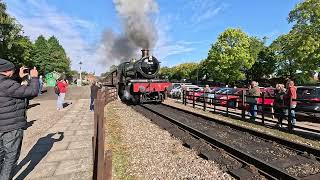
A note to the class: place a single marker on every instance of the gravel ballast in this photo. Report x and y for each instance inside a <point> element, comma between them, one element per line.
<point>153,153</point>
<point>313,142</point>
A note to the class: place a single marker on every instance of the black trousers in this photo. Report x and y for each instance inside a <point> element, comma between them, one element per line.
<point>92,104</point>
<point>10,147</point>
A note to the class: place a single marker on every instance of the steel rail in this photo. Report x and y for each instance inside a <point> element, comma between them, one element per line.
<point>290,144</point>
<point>266,168</point>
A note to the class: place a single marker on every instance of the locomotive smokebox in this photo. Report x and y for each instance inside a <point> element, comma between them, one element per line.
<point>145,53</point>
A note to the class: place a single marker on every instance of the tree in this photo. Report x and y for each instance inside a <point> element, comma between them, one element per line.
<point>113,67</point>
<point>230,56</point>
<point>41,57</point>
<point>58,57</point>
<point>187,71</point>
<point>299,50</point>
<point>165,72</point>
<point>46,55</point>
<point>50,56</point>
<point>265,61</point>
<point>14,46</point>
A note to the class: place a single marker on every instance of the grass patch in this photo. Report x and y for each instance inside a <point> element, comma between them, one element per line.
<point>313,142</point>
<point>120,157</point>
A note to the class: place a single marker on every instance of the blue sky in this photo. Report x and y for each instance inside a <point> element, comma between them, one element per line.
<point>186,28</point>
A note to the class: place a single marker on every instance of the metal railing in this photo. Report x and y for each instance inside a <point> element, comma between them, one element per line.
<point>102,159</point>
<point>238,105</point>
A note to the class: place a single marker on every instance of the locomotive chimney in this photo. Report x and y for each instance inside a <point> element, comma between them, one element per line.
<point>145,52</point>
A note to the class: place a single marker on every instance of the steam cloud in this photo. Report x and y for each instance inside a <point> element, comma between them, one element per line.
<point>139,31</point>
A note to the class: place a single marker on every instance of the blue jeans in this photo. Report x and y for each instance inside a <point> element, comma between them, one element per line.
<point>92,104</point>
<point>292,118</point>
<point>60,100</point>
<point>253,110</point>
<point>10,146</point>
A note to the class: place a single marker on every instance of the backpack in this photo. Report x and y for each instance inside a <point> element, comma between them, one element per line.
<point>56,90</point>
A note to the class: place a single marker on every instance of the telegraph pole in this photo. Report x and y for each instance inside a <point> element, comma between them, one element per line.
<point>80,74</point>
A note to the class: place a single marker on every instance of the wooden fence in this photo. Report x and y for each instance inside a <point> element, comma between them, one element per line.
<point>102,159</point>
<point>240,107</point>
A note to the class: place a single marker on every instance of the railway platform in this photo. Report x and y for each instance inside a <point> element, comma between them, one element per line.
<point>57,144</point>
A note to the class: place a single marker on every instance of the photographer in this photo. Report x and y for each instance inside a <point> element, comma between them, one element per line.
<point>13,114</point>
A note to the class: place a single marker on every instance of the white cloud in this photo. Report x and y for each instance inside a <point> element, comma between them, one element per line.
<point>202,10</point>
<point>39,17</point>
<point>166,46</point>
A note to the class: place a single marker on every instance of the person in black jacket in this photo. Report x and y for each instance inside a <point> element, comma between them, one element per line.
<point>13,114</point>
<point>93,94</point>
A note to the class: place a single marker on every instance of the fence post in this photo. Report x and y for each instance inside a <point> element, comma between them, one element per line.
<point>214,101</point>
<point>227,103</point>
<point>102,165</point>
<point>182,96</point>
<point>193,103</point>
<point>243,112</point>
<point>108,165</point>
<point>204,101</point>
<point>263,108</point>
<point>289,114</point>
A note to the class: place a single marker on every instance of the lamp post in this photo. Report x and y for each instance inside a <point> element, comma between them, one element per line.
<point>80,74</point>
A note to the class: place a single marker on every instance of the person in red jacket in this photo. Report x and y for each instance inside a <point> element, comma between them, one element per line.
<point>291,96</point>
<point>62,85</point>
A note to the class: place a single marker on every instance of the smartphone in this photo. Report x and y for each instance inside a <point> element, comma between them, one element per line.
<point>26,71</point>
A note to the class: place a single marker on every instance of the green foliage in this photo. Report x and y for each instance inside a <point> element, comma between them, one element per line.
<point>58,57</point>
<point>165,72</point>
<point>41,57</point>
<point>230,56</point>
<point>13,45</point>
<point>187,71</point>
<point>265,60</point>
<point>113,67</point>
<point>299,50</point>
<point>46,55</point>
<point>181,71</point>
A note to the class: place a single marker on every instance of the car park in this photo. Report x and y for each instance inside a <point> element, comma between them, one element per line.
<point>229,97</point>
<point>213,92</point>
<point>308,105</point>
<point>269,93</point>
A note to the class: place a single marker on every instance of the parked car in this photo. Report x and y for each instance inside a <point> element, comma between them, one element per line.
<point>268,102</point>
<point>177,92</point>
<point>229,97</point>
<point>305,108</point>
<point>197,93</point>
<point>210,95</point>
<point>173,93</point>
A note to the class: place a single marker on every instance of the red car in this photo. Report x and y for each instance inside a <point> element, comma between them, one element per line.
<point>197,94</point>
<point>269,92</point>
<point>230,97</point>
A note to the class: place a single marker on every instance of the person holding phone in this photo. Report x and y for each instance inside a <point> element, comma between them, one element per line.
<point>13,114</point>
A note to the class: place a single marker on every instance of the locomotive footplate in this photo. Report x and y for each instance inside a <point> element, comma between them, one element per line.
<point>148,81</point>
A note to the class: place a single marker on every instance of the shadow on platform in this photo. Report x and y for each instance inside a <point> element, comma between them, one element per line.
<point>33,105</point>
<point>36,154</point>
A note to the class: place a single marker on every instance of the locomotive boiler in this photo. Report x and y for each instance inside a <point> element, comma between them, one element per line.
<point>137,80</point>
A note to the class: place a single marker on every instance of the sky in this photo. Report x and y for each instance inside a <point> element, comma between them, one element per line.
<point>186,28</point>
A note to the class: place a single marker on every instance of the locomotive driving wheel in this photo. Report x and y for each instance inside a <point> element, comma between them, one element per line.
<point>136,99</point>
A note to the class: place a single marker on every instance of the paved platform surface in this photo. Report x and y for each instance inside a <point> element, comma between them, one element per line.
<point>62,148</point>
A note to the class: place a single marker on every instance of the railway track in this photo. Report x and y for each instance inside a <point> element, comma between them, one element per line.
<point>245,153</point>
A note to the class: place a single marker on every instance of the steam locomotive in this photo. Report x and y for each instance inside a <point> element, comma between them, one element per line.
<point>137,81</point>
